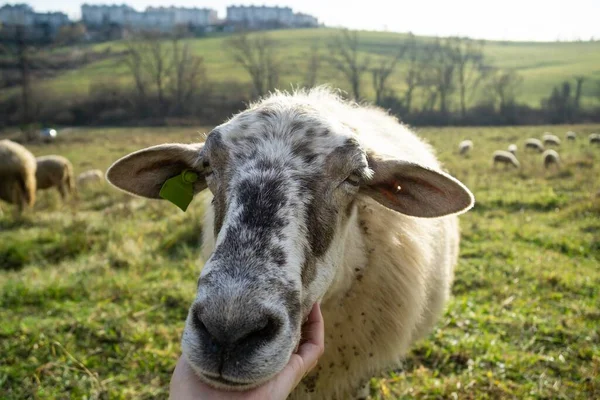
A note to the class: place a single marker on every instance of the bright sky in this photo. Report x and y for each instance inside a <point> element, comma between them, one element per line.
<point>540,20</point>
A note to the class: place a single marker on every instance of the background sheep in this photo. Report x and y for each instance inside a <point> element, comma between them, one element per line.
<point>534,144</point>
<point>93,176</point>
<point>551,157</point>
<point>55,171</point>
<point>549,139</point>
<point>17,174</point>
<point>382,276</point>
<point>506,158</point>
<point>512,148</point>
<point>595,138</point>
<point>571,135</point>
<point>465,146</point>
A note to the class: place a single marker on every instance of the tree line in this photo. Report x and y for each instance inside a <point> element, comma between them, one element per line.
<point>438,81</point>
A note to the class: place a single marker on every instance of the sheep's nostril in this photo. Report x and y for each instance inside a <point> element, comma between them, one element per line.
<point>202,331</point>
<point>262,332</point>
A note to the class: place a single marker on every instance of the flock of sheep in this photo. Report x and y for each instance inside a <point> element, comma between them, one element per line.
<point>550,157</point>
<point>22,175</point>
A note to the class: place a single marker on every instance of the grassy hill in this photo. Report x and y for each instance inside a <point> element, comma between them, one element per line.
<point>542,65</point>
<point>93,295</point>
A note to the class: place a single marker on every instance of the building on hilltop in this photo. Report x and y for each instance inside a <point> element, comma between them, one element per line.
<point>153,18</point>
<point>262,17</point>
<point>36,25</point>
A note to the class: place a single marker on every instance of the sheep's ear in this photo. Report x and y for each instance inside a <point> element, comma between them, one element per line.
<point>144,172</point>
<point>414,190</point>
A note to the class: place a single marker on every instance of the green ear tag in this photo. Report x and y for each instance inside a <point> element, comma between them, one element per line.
<point>179,189</point>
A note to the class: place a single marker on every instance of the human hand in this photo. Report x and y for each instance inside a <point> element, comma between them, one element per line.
<point>185,385</point>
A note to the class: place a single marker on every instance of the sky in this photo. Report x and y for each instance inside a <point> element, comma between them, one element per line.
<point>521,20</point>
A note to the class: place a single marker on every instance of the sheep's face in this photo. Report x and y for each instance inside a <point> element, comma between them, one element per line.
<point>283,184</point>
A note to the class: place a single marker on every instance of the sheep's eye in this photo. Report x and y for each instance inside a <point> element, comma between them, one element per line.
<point>207,169</point>
<point>353,179</point>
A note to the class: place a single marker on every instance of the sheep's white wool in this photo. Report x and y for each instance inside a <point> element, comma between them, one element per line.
<point>55,171</point>
<point>465,146</point>
<point>17,174</point>
<point>311,199</point>
<point>550,157</point>
<point>394,272</point>
<point>506,158</point>
<point>89,177</point>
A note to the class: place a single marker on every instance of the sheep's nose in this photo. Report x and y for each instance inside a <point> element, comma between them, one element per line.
<point>241,330</point>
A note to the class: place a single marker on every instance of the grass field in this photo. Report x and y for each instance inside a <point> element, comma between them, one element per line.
<point>93,295</point>
<point>542,65</point>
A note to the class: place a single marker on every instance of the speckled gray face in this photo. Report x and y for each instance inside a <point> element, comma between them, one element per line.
<point>279,192</point>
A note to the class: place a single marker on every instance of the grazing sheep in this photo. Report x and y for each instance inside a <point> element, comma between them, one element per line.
<point>312,199</point>
<point>55,171</point>
<point>464,147</point>
<point>551,157</point>
<point>549,139</point>
<point>534,144</point>
<point>595,138</point>
<point>93,176</point>
<point>506,158</point>
<point>17,175</point>
<point>571,135</point>
<point>512,148</point>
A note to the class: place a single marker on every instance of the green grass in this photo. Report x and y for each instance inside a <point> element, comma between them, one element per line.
<point>542,65</point>
<point>94,294</point>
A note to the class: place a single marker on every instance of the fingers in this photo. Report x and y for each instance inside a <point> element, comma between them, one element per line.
<point>307,356</point>
<point>313,333</point>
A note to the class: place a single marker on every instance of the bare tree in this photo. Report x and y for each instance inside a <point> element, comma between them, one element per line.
<point>23,62</point>
<point>312,69</point>
<point>382,72</point>
<point>150,60</point>
<point>344,56</point>
<point>257,55</point>
<point>157,64</point>
<point>578,90</point>
<point>413,70</point>
<point>437,75</point>
<point>134,61</point>
<point>188,72</point>
<point>504,87</point>
<point>469,60</point>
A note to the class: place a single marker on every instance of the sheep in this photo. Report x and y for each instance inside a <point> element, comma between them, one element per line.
<point>506,158</point>
<point>534,144</point>
<point>512,148</point>
<point>17,175</point>
<point>55,171</point>
<point>90,177</point>
<point>594,138</point>
<point>311,199</point>
<point>571,136</point>
<point>551,157</point>
<point>465,146</point>
<point>550,139</point>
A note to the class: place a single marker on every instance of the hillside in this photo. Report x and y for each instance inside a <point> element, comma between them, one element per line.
<point>542,65</point>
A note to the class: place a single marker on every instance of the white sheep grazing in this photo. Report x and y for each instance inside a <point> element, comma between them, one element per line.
<point>550,139</point>
<point>595,138</point>
<point>93,176</point>
<point>551,157</point>
<point>312,199</point>
<point>17,175</point>
<point>55,171</point>
<point>512,148</point>
<point>465,146</point>
<point>571,135</point>
<point>534,144</point>
<point>506,158</point>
